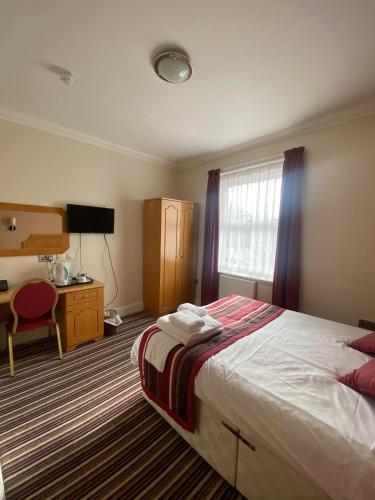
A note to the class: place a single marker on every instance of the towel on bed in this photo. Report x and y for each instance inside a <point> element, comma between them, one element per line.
<point>173,389</point>
<point>187,320</point>
<point>199,311</point>
<point>211,327</point>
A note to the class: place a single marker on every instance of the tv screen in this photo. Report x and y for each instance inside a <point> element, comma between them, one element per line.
<point>84,219</point>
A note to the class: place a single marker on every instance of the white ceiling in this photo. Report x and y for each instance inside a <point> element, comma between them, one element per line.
<point>259,66</point>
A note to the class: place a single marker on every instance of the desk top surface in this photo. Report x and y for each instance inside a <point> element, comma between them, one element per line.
<point>6,296</point>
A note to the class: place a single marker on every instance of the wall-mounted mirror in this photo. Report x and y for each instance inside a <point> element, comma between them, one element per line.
<point>32,230</point>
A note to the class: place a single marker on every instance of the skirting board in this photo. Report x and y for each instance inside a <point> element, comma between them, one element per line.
<point>130,308</point>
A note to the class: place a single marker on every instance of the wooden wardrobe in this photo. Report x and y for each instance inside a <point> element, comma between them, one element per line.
<point>169,254</point>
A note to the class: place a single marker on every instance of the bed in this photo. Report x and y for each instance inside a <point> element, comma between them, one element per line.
<point>272,418</point>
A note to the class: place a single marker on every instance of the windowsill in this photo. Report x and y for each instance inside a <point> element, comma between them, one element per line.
<point>248,278</point>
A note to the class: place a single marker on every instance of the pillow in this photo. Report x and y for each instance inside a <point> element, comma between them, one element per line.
<point>365,344</point>
<point>362,379</point>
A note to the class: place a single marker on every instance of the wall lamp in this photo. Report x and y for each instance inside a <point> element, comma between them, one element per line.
<point>13,224</point>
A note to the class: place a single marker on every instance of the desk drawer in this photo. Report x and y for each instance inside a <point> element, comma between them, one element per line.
<point>84,296</point>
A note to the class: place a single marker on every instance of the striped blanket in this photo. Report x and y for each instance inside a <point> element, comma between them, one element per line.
<point>173,390</point>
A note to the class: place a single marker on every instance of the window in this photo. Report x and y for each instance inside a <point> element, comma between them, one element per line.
<point>249,215</point>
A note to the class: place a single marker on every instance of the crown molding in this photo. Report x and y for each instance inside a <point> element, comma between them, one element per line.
<point>328,120</point>
<point>54,128</point>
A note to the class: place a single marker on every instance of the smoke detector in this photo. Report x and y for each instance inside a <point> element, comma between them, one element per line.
<point>67,77</point>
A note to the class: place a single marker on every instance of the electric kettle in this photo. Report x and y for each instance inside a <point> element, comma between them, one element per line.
<point>60,272</point>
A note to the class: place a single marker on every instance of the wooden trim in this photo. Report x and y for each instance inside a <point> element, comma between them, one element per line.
<point>81,287</point>
<point>5,297</point>
<point>43,241</point>
<point>40,250</point>
<point>20,207</point>
<point>161,198</point>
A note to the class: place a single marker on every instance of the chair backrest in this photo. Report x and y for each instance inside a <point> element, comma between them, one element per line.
<point>34,299</point>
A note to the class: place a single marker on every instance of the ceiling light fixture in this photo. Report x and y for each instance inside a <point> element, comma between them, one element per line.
<point>173,67</point>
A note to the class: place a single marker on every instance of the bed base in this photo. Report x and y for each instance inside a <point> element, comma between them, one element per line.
<point>246,463</point>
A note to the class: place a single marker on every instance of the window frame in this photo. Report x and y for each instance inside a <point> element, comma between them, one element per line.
<point>256,164</point>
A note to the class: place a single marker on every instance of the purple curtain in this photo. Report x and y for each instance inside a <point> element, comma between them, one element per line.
<point>285,291</point>
<point>210,275</point>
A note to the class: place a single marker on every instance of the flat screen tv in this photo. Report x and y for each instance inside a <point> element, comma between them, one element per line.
<point>84,219</point>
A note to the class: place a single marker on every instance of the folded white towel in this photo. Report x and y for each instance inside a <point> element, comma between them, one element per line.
<point>199,311</point>
<point>158,348</point>
<point>211,327</point>
<point>187,320</point>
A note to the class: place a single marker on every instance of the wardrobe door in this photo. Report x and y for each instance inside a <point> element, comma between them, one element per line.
<point>170,243</point>
<point>151,256</point>
<point>187,253</point>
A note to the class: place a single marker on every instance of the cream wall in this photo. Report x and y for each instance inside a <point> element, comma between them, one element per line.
<point>338,247</point>
<point>46,169</point>
<point>338,251</point>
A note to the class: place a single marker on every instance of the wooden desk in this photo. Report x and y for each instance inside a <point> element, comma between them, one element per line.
<point>79,311</point>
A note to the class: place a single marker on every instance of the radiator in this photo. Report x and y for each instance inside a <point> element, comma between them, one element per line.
<point>239,286</point>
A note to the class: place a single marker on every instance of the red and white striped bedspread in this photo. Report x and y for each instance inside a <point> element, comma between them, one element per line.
<point>173,389</point>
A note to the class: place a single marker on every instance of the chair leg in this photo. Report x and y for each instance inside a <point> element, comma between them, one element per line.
<point>10,348</point>
<point>59,340</point>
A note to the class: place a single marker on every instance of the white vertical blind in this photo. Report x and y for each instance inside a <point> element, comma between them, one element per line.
<point>249,215</point>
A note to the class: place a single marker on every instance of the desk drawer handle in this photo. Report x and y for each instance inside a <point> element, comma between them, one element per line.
<point>80,297</point>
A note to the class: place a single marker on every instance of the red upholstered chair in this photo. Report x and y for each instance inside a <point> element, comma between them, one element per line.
<point>33,306</point>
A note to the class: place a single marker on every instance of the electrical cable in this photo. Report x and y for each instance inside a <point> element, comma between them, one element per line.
<point>113,271</point>
<point>80,253</point>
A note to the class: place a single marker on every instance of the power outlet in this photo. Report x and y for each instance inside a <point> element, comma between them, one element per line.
<point>365,323</point>
<point>45,258</point>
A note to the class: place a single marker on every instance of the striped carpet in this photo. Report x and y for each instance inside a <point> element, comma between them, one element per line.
<point>80,428</point>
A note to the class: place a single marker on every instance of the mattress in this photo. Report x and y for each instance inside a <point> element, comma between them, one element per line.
<point>281,384</point>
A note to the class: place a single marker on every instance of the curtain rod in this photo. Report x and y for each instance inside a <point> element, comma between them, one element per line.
<point>252,164</point>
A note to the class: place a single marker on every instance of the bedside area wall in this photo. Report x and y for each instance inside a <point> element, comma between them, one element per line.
<point>43,168</point>
<point>338,240</point>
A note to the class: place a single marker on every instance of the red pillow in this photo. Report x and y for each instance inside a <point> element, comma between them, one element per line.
<point>365,344</point>
<point>362,379</point>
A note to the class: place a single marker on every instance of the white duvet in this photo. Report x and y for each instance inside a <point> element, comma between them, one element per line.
<point>281,383</point>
